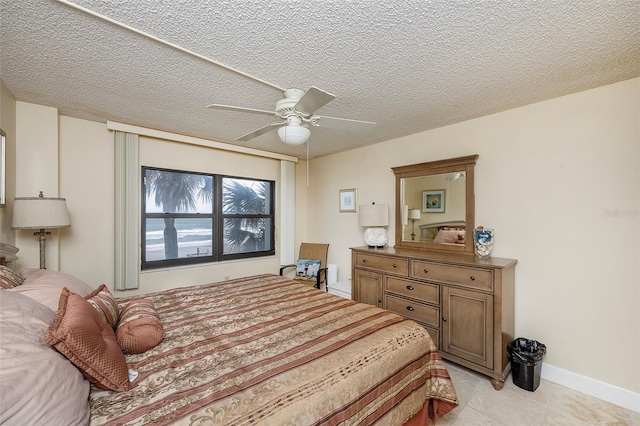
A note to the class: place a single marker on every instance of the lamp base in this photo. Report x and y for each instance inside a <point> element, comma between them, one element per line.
<point>42,239</point>
<point>375,237</point>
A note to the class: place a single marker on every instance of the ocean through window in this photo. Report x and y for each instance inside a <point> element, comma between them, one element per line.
<point>190,217</point>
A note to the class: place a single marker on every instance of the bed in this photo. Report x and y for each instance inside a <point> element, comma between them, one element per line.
<point>257,350</point>
<point>451,232</point>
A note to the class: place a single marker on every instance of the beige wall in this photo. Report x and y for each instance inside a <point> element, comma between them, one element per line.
<point>8,125</point>
<point>548,178</point>
<point>87,182</point>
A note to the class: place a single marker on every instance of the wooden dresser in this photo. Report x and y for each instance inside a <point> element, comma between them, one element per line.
<point>465,303</point>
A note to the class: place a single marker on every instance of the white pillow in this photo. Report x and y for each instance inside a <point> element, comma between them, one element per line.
<point>38,386</point>
<point>45,286</point>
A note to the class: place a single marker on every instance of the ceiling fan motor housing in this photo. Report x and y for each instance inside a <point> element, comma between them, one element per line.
<point>286,105</point>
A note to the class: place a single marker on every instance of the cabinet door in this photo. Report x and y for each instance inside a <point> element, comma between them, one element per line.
<point>367,286</point>
<point>467,325</point>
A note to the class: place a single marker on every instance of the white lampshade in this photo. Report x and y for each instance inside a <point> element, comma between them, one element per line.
<point>414,214</point>
<point>40,213</point>
<point>294,135</point>
<point>374,215</point>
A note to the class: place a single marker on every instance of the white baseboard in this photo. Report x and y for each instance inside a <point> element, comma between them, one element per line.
<point>601,390</point>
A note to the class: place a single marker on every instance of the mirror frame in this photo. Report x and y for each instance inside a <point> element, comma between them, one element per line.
<point>460,164</point>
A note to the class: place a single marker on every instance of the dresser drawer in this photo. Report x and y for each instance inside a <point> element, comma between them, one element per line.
<point>469,277</point>
<point>390,265</point>
<point>428,293</point>
<point>429,315</point>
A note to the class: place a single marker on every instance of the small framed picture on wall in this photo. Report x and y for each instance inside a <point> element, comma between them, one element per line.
<point>348,200</point>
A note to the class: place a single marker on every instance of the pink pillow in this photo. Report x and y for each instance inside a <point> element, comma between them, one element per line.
<point>84,337</point>
<point>139,328</point>
<point>451,236</point>
<point>104,302</point>
<point>45,286</point>
<point>37,384</point>
<point>8,278</point>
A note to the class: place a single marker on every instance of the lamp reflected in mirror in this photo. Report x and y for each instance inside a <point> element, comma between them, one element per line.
<point>414,214</point>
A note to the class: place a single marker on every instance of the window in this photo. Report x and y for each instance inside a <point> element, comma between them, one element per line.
<point>190,217</point>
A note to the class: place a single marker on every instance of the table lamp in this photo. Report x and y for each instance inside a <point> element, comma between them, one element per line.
<point>414,214</point>
<point>40,213</point>
<point>374,217</point>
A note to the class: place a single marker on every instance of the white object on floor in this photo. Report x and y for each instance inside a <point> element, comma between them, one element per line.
<point>332,274</point>
<point>341,288</point>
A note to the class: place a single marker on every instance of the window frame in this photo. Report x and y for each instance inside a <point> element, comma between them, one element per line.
<point>217,220</point>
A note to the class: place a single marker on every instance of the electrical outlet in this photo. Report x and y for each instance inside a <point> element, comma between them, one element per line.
<point>226,277</point>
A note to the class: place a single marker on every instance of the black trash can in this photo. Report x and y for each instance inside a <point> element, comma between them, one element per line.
<point>526,356</point>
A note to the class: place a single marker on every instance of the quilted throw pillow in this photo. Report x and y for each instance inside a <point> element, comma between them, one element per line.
<point>84,337</point>
<point>104,302</point>
<point>307,268</point>
<point>139,328</point>
<point>8,278</point>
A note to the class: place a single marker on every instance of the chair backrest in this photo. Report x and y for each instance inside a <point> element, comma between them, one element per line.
<point>314,251</point>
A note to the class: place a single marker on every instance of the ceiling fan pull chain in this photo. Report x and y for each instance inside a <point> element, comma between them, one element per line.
<point>308,143</point>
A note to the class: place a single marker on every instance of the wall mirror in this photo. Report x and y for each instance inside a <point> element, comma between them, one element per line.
<point>435,207</point>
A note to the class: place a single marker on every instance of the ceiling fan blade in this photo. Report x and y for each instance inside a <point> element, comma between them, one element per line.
<point>260,131</point>
<point>343,124</point>
<point>312,100</point>
<point>240,109</point>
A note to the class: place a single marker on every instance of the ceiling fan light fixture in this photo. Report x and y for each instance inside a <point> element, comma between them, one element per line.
<point>294,135</point>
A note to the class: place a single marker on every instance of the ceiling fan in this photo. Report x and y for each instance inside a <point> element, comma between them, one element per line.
<point>295,113</point>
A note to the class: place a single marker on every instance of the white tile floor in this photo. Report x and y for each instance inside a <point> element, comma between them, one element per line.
<point>550,404</point>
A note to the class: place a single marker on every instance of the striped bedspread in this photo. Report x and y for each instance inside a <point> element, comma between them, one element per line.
<point>266,350</point>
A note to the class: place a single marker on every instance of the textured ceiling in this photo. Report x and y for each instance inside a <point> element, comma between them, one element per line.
<point>408,65</point>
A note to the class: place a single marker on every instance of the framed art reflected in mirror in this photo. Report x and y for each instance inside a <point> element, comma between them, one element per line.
<point>433,201</point>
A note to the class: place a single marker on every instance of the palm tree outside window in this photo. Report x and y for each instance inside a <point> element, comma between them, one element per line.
<point>191,217</point>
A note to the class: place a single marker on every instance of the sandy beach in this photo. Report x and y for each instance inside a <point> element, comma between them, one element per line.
<point>188,251</point>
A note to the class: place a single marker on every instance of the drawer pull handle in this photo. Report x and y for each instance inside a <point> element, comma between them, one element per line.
<point>409,287</point>
<point>364,260</point>
<point>473,278</point>
<point>426,270</point>
<point>395,266</point>
<point>409,308</point>
<point>444,319</point>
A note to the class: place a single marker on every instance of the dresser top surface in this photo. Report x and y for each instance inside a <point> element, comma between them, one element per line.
<point>468,259</point>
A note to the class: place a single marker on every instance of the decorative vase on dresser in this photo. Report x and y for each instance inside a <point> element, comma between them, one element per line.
<point>465,303</point>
